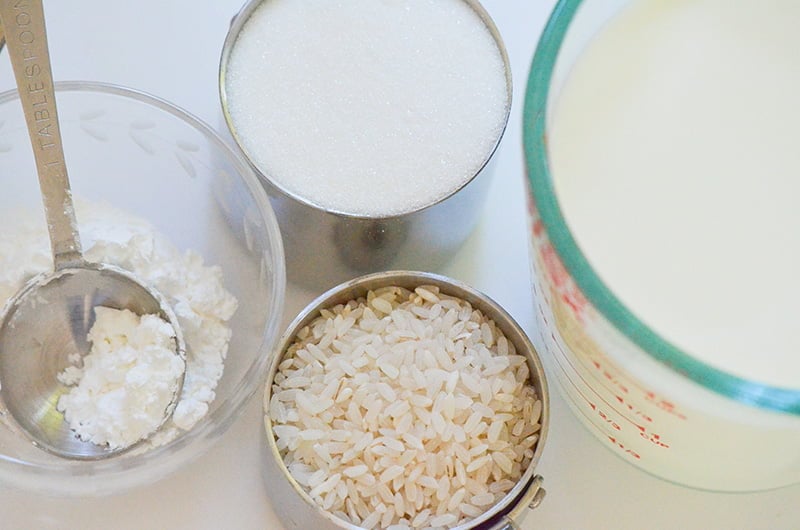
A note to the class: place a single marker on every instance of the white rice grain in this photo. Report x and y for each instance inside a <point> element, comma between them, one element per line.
<point>443,520</point>
<point>483,499</point>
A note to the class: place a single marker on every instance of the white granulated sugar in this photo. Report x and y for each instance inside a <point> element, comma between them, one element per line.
<point>364,107</point>
<point>404,408</point>
<point>126,382</point>
<point>194,290</point>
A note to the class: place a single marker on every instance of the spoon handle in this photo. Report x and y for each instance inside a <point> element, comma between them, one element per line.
<point>26,40</point>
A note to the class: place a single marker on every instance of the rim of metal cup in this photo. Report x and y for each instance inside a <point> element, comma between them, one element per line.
<point>238,22</point>
<point>512,503</point>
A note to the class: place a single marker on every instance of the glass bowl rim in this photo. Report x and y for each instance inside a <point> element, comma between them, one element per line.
<point>133,470</point>
<point>593,288</point>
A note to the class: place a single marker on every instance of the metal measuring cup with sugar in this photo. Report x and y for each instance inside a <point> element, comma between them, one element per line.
<point>325,247</point>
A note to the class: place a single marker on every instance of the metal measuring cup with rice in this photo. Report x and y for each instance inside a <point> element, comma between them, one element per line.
<point>404,400</point>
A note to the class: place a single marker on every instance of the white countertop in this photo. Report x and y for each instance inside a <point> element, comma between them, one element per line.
<point>171,48</point>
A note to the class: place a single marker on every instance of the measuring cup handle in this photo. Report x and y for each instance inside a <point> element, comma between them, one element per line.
<point>530,499</point>
<point>26,40</point>
<point>506,524</point>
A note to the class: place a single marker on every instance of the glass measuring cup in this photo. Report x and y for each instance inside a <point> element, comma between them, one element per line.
<point>657,406</point>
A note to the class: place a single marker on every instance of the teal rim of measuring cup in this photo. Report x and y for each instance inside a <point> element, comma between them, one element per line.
<point>599,295</point>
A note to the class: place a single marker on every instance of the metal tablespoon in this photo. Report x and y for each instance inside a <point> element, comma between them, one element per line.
<point>47,321</point>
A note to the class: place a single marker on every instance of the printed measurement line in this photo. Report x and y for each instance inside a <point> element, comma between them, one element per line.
<point>616,426</point>
<point>601,430</point>
<point>620,380</point>
<point>575,369</point>
<point>632,381</point>
<point>538,290</point>
<point>582,365</point>
<point>654,399</point>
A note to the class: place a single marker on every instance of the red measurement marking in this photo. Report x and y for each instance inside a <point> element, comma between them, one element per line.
<point>561,280</point>
<point>599,365</point>
<point>664,405</point>
<point>538,227</point>
<point>601,428</point>
<point>621,446</point>
<point>615,380</point>
<point>654,439</point>
<point>614,425</point>
<point>629,409</point>
<point>589,386</point>
<point>595,408</point>
<point>611,378</point>
<point>635,411</point>
<point>555,270</point>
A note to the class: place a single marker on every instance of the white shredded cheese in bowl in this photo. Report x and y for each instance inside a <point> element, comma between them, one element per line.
<point>404,409</point>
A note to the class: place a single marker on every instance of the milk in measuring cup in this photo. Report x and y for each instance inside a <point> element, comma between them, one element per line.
<point>672,145</point>
<point>677,167</point>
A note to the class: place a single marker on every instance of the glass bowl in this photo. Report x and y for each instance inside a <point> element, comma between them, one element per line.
<point>656,406</point>
<point>142,155</point>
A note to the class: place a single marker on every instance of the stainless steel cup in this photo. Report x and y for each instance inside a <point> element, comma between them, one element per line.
<point>293,505</point>
<point>325,247</point>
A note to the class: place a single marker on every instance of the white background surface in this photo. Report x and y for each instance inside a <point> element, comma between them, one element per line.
<point>171,48</point>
